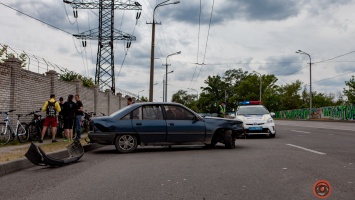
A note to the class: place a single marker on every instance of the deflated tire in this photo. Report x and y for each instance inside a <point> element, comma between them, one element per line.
<point>229,140</point>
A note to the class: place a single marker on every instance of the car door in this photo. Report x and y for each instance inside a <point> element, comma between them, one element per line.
<point>183,126</point>
<point>148,122</point>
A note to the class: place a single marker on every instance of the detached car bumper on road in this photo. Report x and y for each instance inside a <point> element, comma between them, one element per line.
<point>162,124</point>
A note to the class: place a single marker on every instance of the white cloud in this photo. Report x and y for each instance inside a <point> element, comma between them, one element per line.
<point>260,35</point>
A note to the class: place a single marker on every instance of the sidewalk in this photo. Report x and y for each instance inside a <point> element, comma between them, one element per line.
<point>20,162</point>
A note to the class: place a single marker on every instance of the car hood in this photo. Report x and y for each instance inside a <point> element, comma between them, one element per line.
<point>221,120</point>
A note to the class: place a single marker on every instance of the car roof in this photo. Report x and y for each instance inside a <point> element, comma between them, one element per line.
<point>131,107</point>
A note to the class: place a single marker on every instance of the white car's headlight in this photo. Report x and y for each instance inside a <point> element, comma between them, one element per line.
<point>270,120</point>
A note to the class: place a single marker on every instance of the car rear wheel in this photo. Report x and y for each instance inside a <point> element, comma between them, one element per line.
<point>126,143</point>
<point>229,140</point>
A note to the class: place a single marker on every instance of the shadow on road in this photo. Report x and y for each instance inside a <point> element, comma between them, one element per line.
<point>161,149</point>
<point>261,137</point>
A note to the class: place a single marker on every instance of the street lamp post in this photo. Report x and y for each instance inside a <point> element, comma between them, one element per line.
<point>310,79</point>
<point>194,90</point>
<point>166,74</point>
<point>139,92</point>
<point>152,50</point>
<point>164,85</point>
<point>260,85</point>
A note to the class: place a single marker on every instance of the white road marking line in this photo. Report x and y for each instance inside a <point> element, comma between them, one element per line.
<point>300,131</point>
<point>310,150</point>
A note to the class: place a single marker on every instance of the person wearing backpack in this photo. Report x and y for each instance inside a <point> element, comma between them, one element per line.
<point>51,108</point>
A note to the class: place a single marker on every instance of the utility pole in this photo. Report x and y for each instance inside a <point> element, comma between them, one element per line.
<point>310,80</point>
<point>105,34</point>
<point>166,75</point>
<point>164,3</point>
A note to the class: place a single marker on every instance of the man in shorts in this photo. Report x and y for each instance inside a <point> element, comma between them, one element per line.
<point>69,116</point>
<point>51,108</point>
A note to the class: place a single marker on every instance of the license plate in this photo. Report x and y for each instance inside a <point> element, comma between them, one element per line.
<point>256,128</point>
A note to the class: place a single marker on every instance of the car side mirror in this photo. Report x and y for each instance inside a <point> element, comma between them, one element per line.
<point>194,118</point>
<point>273,114</point>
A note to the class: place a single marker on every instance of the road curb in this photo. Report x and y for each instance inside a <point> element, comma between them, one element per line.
<point>23,163</point>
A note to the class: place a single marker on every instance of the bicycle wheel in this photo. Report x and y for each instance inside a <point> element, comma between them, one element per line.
<point>33,131</point>
<point>5,134</point>
<point>22,134</point>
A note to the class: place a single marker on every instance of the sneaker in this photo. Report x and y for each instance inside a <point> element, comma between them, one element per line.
<point>53,141</point>
<point>66,140</point>
<point>40,141</point>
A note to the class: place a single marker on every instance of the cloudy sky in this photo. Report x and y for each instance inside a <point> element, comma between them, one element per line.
<point>255,35</point>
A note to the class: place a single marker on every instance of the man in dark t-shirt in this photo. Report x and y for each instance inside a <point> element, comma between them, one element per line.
<point>69,116</point>
<point>78,115</point>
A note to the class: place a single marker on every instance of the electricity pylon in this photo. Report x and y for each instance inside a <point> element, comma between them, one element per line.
<point>105,34</point>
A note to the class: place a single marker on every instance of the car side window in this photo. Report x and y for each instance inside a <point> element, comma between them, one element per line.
<point>153,112</point>
<point>126,117</point>
<point>136,114</point>
<point>177,113</point>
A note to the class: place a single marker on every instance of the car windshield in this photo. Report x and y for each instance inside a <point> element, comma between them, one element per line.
<point>249,110</point>
<point>120,110</point>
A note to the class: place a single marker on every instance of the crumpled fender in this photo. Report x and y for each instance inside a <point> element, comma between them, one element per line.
<point>37,156</point>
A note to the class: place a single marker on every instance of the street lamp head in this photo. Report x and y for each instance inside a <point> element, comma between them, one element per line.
<point>178,52</point>
<point>176,2</point>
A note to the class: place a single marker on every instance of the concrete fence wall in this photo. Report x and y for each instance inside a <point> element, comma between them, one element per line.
<point>342,112</point>
<point>26,91</point>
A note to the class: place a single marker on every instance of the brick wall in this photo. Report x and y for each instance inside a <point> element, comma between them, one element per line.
<point>26,91</point>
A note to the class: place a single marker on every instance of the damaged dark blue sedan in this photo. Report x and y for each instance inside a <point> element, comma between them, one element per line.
<point>163,124</point>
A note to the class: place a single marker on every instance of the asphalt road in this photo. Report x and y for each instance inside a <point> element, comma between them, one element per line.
<point>286,167</point>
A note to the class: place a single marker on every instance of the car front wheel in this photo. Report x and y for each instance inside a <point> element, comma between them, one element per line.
<point>126,143</point>
<point>272,135</point>
<point>229,140</point>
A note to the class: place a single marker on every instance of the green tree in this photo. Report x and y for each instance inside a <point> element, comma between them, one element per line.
<point>70,76</point>
<point>5,55</point>
<point>350,92</point>
<point>270,92</point>
<point>143,99</point>
<point>213,94</point>
<point>189,100</point>
<point>322,100</point>
<point>289,96</point>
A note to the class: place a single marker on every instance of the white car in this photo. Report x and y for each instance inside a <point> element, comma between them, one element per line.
<point>256,120</point>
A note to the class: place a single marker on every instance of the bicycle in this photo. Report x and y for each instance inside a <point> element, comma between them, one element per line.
<point>7,131</point>
<point>86,121</point>
<point>87,124</point>
<point>34,128</point>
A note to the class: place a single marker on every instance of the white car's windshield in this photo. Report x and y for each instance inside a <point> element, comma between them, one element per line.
<point>249,110</point>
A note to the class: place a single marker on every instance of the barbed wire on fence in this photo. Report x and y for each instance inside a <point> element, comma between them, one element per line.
<point>40,65</point>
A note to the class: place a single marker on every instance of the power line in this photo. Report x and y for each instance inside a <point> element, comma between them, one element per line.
<point>292,72</point>
<point>208,34</point>
<point>65,9</point>
<point>198,43</point>
<point>335,57</point>
<point>35,18</point>
<point>346,73</point>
